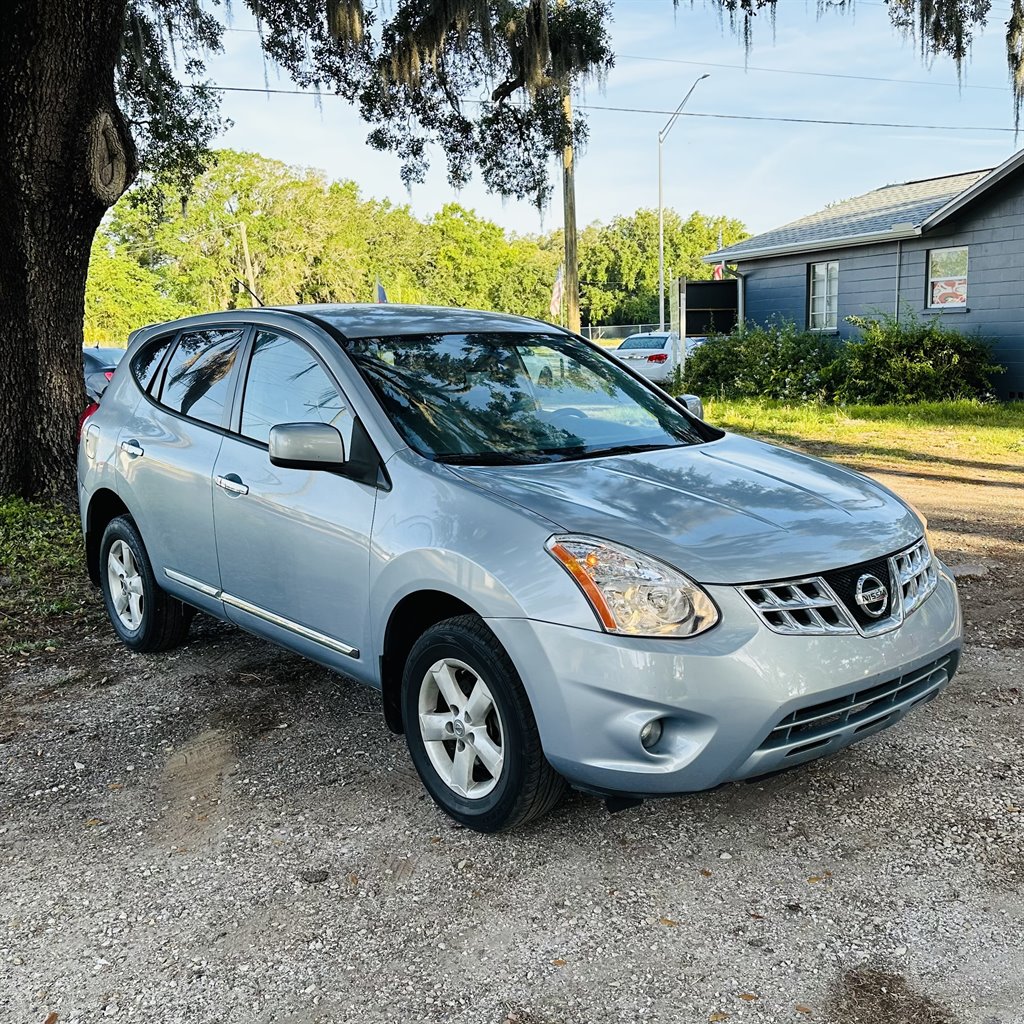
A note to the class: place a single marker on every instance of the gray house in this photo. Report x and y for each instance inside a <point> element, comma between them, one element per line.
<point>950,246</point>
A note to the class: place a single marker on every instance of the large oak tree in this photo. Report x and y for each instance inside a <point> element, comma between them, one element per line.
<point>93,90</point>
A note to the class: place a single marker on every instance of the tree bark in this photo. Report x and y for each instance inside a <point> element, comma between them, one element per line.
<point>65,156</point>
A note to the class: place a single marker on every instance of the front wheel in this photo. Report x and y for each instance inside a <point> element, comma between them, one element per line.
<point>144,617</point>
<point>471,731</point>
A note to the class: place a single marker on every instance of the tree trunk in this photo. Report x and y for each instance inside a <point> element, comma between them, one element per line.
<point>65,157</point>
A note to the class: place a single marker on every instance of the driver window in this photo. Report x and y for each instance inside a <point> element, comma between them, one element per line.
<point>287,384</point>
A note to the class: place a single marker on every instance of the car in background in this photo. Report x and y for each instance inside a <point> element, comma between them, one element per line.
<point>98,366</point>
<point>655,355</point>
<point>549,568</point>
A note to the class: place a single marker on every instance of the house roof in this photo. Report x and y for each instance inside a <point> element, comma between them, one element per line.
<point>893,211</point>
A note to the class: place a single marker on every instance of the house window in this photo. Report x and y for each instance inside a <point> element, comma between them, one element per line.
<point>947,277</point>
<point>823,307</point>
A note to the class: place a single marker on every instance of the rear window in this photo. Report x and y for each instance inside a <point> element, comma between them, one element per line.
<point>644,343</point>
<point>147,360</point>
<point>199,373</point>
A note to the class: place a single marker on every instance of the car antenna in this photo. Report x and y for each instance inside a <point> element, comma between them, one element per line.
<point>239,281</point>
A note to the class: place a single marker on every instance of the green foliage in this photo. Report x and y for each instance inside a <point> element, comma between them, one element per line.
<point>913,360</point>
<point>619,261</point>
<point>41,552</point>
<point>777,361</point>
<point>313,240</point>
<point>893,362</point>
<point>123,294</point>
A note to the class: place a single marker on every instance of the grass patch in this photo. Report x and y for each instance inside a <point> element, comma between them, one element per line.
<point>44,589</point>
<point>965,431</point>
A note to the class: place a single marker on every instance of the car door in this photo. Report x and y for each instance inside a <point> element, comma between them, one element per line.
<point>167,451</point>
<point>293,544</point>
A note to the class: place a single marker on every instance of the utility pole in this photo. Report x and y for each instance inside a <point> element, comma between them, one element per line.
<point>572,267</point>
<point>661,203</point>
<point>249,273</point>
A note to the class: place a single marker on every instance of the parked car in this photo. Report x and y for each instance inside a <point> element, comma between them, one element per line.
<point>655,355</point>
<point>99,365</point>
<point>561,580</point>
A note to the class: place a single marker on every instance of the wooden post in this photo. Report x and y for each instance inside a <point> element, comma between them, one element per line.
<point>572,267</point>
<point>249,273</point>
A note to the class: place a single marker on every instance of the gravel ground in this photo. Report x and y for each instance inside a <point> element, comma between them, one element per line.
<point>228,833</point>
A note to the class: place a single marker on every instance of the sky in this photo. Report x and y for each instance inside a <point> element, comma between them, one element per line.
<point>765,173</point>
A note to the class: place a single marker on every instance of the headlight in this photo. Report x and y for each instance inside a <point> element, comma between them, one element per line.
<point>633,593</point>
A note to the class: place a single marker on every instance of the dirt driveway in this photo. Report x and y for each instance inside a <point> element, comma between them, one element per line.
<point>227,833</point>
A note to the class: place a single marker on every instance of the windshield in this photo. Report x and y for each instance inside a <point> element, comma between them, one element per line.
<point>506,398</point>
<point>645,341</point>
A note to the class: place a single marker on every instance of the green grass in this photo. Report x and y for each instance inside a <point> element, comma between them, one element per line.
<point>43,584</point>
<point>986,432</point>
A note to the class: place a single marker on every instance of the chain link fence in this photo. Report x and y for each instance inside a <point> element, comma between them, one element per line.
<point>610,336</point>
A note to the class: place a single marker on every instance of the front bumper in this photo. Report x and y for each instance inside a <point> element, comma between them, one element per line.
<point>738,702</point>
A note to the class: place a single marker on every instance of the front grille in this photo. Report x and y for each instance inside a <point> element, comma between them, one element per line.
<point>814,725</point>
<point>844,583</point>
<point>827,604</point>
<point>799,606</point>
<point>915,570</point>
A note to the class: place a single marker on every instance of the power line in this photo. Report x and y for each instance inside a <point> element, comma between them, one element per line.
<point>812,74</point>
<point>666,113</point>
<point>781,71</point>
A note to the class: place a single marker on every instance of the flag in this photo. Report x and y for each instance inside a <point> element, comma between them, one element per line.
<point>719,272</point>
<point>381,295</point>
<point>557,292</point>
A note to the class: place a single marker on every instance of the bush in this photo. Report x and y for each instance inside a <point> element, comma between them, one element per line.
<point>778,361</point>
<point>914,361</point>
<point>892,362</point>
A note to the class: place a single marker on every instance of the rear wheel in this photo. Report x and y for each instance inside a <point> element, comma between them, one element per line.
<point>471,731</point>
<point>144,617</point>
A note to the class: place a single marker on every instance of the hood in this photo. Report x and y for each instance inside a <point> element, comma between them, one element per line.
<point>730,511</point>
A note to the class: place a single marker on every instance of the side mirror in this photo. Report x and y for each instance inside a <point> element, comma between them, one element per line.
<point>307,446</point>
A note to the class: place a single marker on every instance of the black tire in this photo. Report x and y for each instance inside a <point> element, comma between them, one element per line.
<point>164,619</point>
<point>527,786</point>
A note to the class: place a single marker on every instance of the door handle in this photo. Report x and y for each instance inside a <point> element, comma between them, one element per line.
<point>132,448</point>
<point>232,484</point>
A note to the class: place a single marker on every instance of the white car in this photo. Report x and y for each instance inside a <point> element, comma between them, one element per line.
<point>654,354</point>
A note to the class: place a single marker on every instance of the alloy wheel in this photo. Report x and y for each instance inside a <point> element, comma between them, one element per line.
<point>461,728</point>
<point>126,585</point>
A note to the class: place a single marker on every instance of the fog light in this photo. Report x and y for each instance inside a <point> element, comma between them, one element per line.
<point>650,733</point>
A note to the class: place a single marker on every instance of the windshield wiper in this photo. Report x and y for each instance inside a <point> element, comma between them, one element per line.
<point>619,449</point>
<point>492,458</point>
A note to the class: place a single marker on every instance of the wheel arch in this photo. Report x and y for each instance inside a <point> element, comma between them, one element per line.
<point>104,505</point>
<point>411,617</point>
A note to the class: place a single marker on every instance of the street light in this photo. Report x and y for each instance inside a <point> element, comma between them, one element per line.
<point>662,135</point>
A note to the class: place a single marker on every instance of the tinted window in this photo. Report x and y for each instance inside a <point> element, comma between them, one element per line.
<point>286,384</point>
<point>198,378</point>
<point>659,341</point>
<point>147,361</point>
<point>515,398</point>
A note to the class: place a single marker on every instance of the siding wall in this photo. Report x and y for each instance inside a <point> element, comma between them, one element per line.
<point>993,229</point>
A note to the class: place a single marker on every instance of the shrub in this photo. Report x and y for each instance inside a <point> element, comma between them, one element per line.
<point>892,363</point>
<point>914,361</point>
<point>776,361</point>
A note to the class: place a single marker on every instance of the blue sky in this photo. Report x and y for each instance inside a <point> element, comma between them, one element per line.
<point>764,173</point>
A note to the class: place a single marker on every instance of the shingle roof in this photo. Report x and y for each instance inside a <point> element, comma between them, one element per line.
<point>910,203</point>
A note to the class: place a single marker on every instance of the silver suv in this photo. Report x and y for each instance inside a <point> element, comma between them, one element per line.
<point>550,569</point>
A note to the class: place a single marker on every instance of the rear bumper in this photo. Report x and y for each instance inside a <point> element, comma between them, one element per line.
<point>739,702</point>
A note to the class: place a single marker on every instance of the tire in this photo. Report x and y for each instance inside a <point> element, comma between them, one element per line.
<point>151,620</point>
<point>444,670</point>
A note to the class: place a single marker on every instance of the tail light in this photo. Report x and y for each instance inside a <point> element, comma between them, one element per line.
<point>109,374</point>
<point>658,357</point>
<point>88,411</point>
